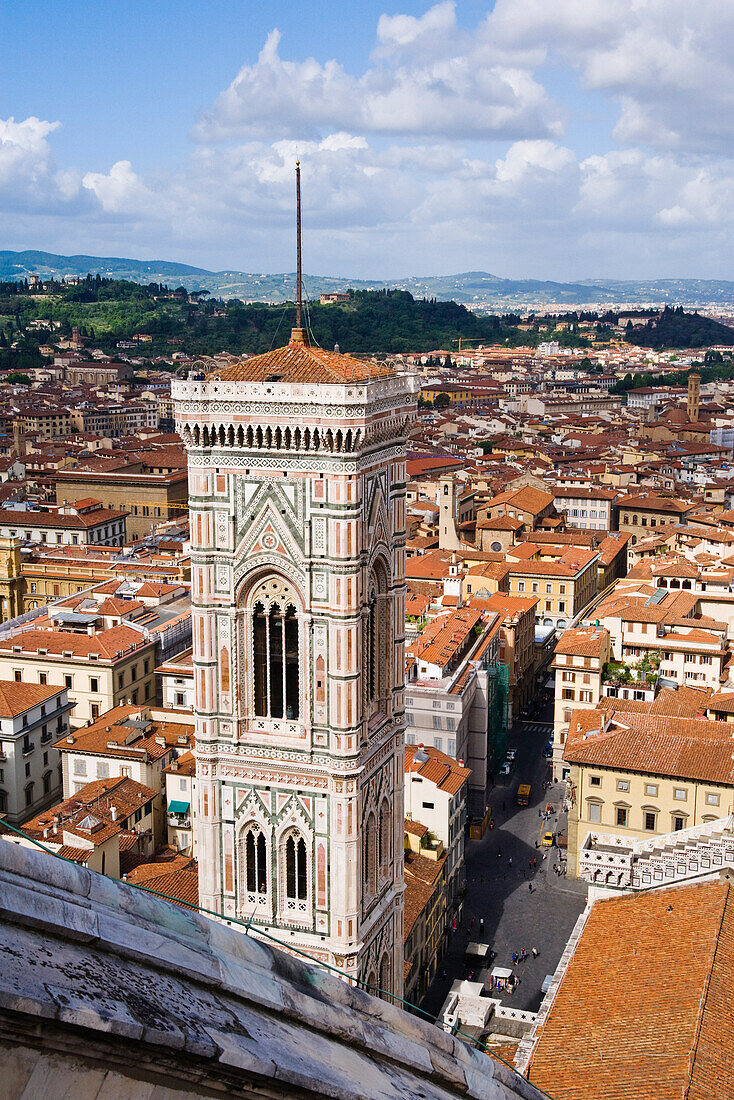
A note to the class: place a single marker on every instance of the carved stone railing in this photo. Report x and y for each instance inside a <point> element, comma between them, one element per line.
<point>614,861</point>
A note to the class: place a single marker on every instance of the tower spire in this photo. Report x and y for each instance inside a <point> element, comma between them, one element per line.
<point>298,334</point>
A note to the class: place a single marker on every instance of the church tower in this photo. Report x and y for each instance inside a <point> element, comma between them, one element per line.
<point>297,513</point>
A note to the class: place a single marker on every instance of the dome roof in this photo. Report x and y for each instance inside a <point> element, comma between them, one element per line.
<point>298,361</point>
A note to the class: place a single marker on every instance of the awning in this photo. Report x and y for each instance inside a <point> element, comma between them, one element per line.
<point>178,807</point>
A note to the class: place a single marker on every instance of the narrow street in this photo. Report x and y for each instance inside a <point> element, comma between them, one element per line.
<point>516,917</point>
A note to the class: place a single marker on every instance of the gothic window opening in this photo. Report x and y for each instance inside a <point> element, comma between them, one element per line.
<point>256,871</point>
<point>296,881</point>
<point>385,838</point>
<point>369,856</point>
<point>275,660</point>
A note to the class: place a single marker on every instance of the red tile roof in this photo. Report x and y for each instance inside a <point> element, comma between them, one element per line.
<point>644,1008</point>
<point>297,362</point>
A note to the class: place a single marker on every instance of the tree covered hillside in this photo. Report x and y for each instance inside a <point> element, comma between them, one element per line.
<point>675,328</point>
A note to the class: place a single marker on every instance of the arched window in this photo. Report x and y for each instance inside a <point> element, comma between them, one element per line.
<point>385,838</point>
<point>377,640</point>
<point>275,649</point>
<point>296,880</point>
<point>385,975</point>
<point>369,856</point>
<point>256,867</point>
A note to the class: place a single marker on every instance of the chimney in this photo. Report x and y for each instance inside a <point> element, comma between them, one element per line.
<point>113,813</point>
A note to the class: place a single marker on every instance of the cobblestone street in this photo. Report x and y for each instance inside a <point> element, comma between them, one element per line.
<point>499,891</point>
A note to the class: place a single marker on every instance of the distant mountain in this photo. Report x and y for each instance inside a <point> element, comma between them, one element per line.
<point>478,289</point>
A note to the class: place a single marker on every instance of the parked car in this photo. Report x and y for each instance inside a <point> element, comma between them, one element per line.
<point>511,754</point>
<point>505,770</point>
<point>548,750</point>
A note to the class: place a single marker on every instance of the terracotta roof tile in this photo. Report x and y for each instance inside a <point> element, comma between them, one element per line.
<point>297,362</point>
<point>643,1010</point>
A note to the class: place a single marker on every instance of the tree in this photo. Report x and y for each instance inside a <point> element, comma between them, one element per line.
<point>441,401</point>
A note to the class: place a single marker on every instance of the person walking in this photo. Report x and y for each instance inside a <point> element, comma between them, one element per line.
<point>481,924</point>
<point>535,952</point>
<point>509,862</point>
<point>530,887</point>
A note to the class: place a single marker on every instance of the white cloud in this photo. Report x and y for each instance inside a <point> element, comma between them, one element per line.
<point>121,191</point>
<point>28,176</point>
<point>667,63</point>
<point>426,77</point>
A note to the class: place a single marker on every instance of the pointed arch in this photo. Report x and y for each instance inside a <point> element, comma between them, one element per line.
<point>307,439</point>
<point>316,439</point>
<point>369,855</point>
<point>240,436</point>
<point>250,437</point>
<point>385,978</point>
<point>259,437</point>
<point>287,439</point>
<point>339,440</point>
<point>385,838</point>
<point>268,437</point>
<point>278,438</point>
<point>329,441</point>
<point>197,435</point>
<point>230,435</point>
<point>297,439</point>
<point>222,436</point>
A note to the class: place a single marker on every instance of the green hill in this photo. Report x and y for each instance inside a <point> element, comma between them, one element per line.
<point>676,329</point>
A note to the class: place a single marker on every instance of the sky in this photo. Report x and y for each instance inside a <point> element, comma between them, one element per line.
<point>552,139</point>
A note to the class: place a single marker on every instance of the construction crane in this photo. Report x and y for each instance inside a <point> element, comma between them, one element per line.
<point>462,340</point>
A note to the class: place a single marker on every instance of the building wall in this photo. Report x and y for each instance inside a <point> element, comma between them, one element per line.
<point>94,686</point>
<point>599,794</point>
<point>30,770</point>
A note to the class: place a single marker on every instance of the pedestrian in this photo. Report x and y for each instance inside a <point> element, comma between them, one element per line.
<point>536,844</point>
<point>535,952</point>
<point>530,887</point>
<point>499,853</point>
<point>530,863</point>
<point>481,924</point>
<point>535,862</point>
<point>509,862</point>
<point>471,923</point>
<point>443,973</point>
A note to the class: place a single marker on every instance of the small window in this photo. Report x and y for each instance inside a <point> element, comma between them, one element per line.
<point>126,770</point>
<point>712,799</point>
<point>678,823</point>
<point>93,683</point>
<point>17,675</point>
<point>80,767</point>
<point>42,678</point>
<point>680,794</point>
<point>651,789</point>
<point>623,785</point>
<point>650,820</point>
<point>428,806</point>
<point>595,780</point>
<point>594,812</point>
<point>622,816</point>
<point>94,711</point>
<point>103,770</point>
<point>68,681</point>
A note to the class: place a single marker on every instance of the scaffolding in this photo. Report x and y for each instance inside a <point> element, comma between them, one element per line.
<point>498,690</point>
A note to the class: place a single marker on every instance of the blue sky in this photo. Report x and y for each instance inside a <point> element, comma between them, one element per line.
<point>563,139</point>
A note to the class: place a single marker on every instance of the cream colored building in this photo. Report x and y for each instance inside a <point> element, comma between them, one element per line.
<point>564,587</point>
<point>637,775</point>
<point>100,670</point>
<point>578,663</point>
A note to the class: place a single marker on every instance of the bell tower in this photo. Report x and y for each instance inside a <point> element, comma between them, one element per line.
<point>297,513</point>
